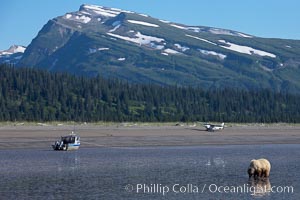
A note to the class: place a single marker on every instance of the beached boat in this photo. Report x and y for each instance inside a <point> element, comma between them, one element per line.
<point>67,143</point>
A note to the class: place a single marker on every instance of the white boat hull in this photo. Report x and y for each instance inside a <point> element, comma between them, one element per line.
<point>72,147</point>
<point>67,143</point>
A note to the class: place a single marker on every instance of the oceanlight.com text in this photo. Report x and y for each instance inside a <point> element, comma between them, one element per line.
<point>205,188</point>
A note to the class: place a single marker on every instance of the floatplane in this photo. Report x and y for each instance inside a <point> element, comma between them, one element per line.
<point>214,127</point>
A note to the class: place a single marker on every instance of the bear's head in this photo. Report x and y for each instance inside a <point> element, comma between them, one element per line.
<point>251,171</point>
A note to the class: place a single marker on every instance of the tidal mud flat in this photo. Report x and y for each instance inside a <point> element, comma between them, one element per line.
<point>42,136</point>
<point>126,162</point>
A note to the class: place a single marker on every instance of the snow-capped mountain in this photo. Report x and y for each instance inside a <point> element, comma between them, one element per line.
<point>112,42</point>
<point>12,55</point>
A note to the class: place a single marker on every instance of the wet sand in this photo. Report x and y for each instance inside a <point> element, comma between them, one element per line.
<point>22,137</point>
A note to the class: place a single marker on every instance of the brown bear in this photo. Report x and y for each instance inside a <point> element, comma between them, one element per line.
<point>259,168</point>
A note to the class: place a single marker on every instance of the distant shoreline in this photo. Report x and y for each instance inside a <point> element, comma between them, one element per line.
<point>137,124</point>
<point>16,136</point>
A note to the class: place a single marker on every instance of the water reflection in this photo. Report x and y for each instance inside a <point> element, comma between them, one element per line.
<point>216,161</point>
<point>260,187</point>
<point>68,161</point>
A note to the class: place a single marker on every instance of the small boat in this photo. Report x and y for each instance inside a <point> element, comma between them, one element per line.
<point>67,143</point>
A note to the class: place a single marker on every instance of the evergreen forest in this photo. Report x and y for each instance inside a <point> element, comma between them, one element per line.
<point>28,94</point>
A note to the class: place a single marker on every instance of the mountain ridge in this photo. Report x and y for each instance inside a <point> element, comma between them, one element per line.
<point>12,55</point>
<point>122,44</point>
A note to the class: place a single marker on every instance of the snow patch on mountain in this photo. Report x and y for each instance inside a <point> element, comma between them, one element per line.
<point>12,50</point>
<point>101,11</point>
<point>213,53</point>
<point>201,39</point>
<point>144,15</point>
<point>121,59</point>
<point>120,10</point>
<point>156,46</point>
<point>181,48</point>
<point>94,50</point>
<point>171,51</point>
<point>115,9</point>
<point>79,17</point>
<point>211,30</point>
<point>85,13</point>
<point>244,35</point>
<point>245,49</point>
<point>189,28</point>
<point>142,23</point>
<point>17,49</point>
<point>84,19</point>
<point>164,21</point>
<point>138,39</point>
<point>103,49</point>
<point>218,31</point>
<point>68,16</point>
<point>194,29</point>
<point>115,28</point>
<point>177,26</point>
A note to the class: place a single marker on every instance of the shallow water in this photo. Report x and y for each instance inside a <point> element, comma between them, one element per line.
<point>148,173</point>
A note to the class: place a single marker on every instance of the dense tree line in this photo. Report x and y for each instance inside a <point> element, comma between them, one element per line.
<point>34,95</point>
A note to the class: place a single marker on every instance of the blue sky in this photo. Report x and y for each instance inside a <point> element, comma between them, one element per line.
<point>20,20</point>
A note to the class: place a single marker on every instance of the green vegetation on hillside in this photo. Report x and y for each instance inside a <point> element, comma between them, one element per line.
<point>200,58</point>
<point>34,95</point>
